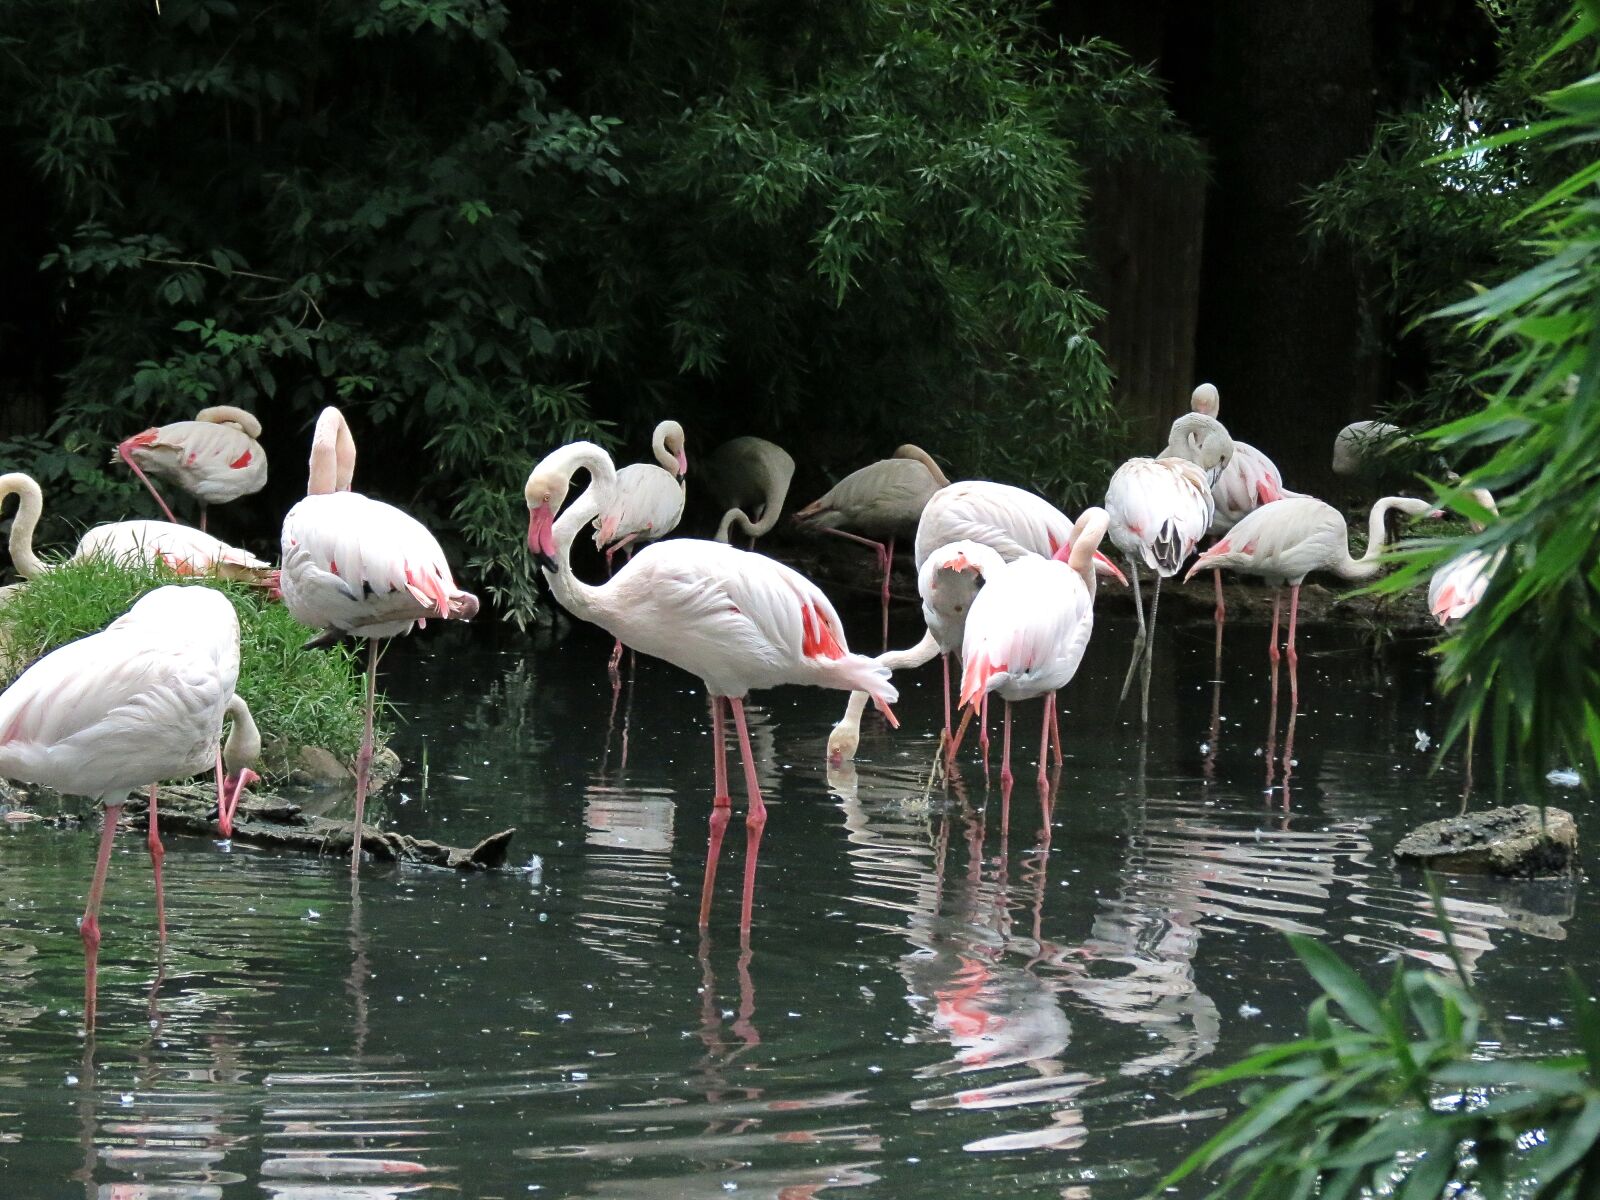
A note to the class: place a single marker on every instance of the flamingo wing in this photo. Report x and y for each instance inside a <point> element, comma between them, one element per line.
<point>1007,519</point>
<point>1159,510</point>
<point>647,502</point>
<point>1028,630</point>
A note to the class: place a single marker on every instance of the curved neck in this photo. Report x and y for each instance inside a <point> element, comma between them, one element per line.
<point>30,504</point>
<point>918,454</point>
<point>333,455</point>
<point>243,746</point>
<point>226,414</point>
<point>576,596</point>
<point>1377,535</point>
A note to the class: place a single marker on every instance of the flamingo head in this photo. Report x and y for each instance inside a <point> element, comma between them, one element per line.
<point>233,786</point>
<point>545,493</point>
<point>843,743</point>
<point>1202,440</point>
<point>668,444</point>
<point>1206,399</point>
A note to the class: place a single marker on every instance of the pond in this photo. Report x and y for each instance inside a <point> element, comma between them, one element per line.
<point>924,1006</point>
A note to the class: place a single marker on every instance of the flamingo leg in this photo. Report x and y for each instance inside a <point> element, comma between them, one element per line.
<point>945,660</point>
<point>203,508</point>
<point>983,731</point>
<point>1272,646</point>
<point>1006,779</point>
<point>158,853</point>
<point>364,756</point>
<point>89,927</point>
<point>1466,762</point>
<point>721,806</point>
<point>1138,638</point>
<point>755,818</point>
<point>1149,657</point>
<point>1294,657</point>
<point>127,457</point>
<point>1044,741</point>
<point>224,817</point>
<point>1055,729</point>
<point>1221,617</point>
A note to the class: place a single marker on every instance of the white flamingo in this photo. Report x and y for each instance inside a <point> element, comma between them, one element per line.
<point>1286,540</point>
<point>1159,509</point>
<point>215,457</point>
<point>875,504</point>
<point>739,621</point>
<point>1249,480</point>
<point>359,567</point>
<point>1361,444</point>
<point>948,583</point>
<point>1027,632</point>
<point>1454,591</point>
<point>140,702</point>
<point>187,550</point>
<point>748,475</point>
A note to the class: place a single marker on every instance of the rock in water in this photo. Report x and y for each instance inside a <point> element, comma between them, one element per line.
<point>1523,840</point>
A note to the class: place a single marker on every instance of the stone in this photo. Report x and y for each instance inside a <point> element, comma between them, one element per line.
<point>1521,841</point>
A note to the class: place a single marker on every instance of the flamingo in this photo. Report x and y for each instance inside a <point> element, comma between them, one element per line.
<point>137,703</point>
<point>1159,509</point>
<point>1454,591</point>
<point>359,567</point>
<point>879,501</point>
<point>647,504</point>
<point>215,457</point>
<point>1249,480</point>
<point>1286,540</point>
<point>738,620</point>
<point>1027,632</point>
<point>749,475</point>
<point>187,550</point>
<point>1360,444</point>
<point>948,583</point>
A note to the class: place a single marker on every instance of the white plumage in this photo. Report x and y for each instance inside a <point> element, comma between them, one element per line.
<point>647,502</point>
<point>1159,509</point>
<point>882,499</point>
<point>750,477</point>
<point>1008,520</point>
<point>215,458</point>
<point>1456,587</point>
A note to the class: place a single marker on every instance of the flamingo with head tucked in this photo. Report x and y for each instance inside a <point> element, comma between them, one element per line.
<point>878,501</point>
<point>750,477</point>
<point>1454,591</point>
<point>738,620</point>
<point>215,458</point>
<point>354,566</point>
<point>120,710</point>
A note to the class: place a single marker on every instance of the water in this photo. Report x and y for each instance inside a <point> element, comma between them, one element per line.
<point>923,1007</point>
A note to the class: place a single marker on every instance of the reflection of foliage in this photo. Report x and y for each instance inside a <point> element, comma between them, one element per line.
<point>1422,225</point>
<point>298,697</point>
<point>507,714</point>
<point>1384,1096</point>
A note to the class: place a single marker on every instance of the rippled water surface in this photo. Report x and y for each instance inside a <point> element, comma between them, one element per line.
<point>931,1002</point>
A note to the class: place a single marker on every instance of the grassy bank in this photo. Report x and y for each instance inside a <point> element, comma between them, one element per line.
<point>299,697</point>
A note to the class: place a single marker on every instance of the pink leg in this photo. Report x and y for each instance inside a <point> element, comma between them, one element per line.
<point>720,808</point>
<point>983,730</point>
<point>224,817</point>
<point>1222,608</point>
<point>89,928</point>
<point>127,457</point>
<point>158,852</point>
<point>1055,728</point>
<point>888,570</point>
<point>755,819</point>
<point>1294,658</point>
<point>1272,646</point>
<point>1005,746</point>
<point>203,508</point>
<point>948,728</point>
<point>1044,741</point>
<point>364,757</point>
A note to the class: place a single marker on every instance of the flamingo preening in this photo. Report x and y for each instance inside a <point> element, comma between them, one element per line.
<point>1286,540</point>
<point>647,504</point>
<point>1361,445</point>
<point>740,621</point>
<point>1027,632</point>
<point>750,477</point>
<point>215,458</point>
<point>359,567</point>
<point>139,702</point>
<point>877,503</point>
<point>187,550</point>
<point>1454,591</point>
<point>1158,510</point>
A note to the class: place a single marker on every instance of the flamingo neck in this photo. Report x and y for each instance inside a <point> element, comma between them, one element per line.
<point>30,505</point>
<point>1366,566</point>
<point>918,454</point>
<point>666,457</point>
<point>243,746</point>
<point>333,455</point>
<point>577,597</point>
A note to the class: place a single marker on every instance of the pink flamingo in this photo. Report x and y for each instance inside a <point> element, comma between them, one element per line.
<point>879,501</point>
<point>1027,632</point>
<point>740,621</point>
<point>359,567</point>
<point>139,702</point>
<point>749,475</point>
<point>647,504</point>
<point>1159,510</point>
<point>1286,540</point>
<point>1249,480</point>
<point>187,550</point>
<point>215,457</point>
<point>1454,591</point>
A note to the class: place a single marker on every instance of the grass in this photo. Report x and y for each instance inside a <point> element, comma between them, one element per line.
<point>298,697</point>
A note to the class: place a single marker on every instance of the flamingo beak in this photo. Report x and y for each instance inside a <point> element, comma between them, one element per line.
<point>542,536</point>
<point>127,446</point>
<point>1104,566</point>
<point>683,464</point>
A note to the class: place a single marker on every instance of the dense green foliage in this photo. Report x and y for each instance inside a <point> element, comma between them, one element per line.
<point>298,697</point>
<point>486,229</point>
<point>1385,1096</point>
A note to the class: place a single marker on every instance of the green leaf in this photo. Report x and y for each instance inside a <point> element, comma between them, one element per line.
<point>1340,982</point>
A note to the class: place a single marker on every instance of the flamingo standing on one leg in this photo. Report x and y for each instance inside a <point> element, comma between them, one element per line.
<point>123,709</point>
<point>1249,480</point>
<point>357,566</point>
<point>948,583</point>
<point>1159,510</point>
<point>749,475</point>
<point>879,501</point>
<point>647,504</point>
<point>740,621</point>
<point>215,457</point>
<point>1286,540</point>
<point>1027,632</point>
<point>1454,591</point>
